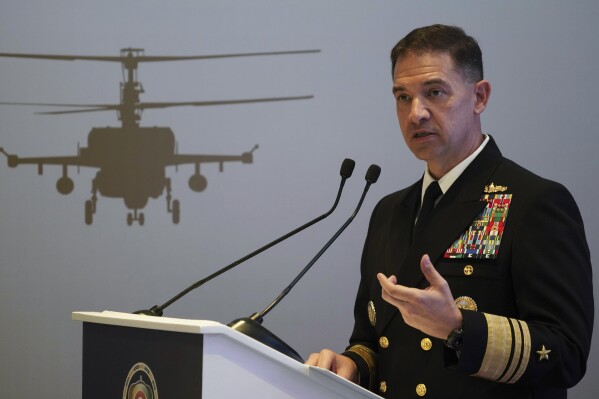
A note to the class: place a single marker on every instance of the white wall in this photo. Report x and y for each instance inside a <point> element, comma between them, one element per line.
<point>540,56</point>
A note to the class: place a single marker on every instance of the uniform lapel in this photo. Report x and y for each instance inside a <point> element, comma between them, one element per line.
<point>398,245</point>
<point>451,217</point>
<point>403,224</point>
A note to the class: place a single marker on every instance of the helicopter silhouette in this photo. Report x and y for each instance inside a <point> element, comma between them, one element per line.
<point>132,159</point>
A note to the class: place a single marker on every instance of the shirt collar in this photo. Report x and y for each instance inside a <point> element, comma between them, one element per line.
<point>450,177</point>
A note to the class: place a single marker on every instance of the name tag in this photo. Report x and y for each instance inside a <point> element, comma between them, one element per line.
<point>483,237</point>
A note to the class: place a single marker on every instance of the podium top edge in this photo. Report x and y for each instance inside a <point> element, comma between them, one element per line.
<point>150,322</point>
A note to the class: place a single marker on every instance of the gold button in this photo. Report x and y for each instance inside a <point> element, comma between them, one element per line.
<point>384,342</point>
<point>420,389</point>
<point>426,344</point>
<point>383,386</point>
<point>468,270</point>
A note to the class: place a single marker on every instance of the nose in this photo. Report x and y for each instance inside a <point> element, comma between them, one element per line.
<point>418,111</point>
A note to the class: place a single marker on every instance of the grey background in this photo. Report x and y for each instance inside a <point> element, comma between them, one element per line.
<point>540,56</point>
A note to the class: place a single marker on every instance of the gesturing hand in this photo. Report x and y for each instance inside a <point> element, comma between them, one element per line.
<point>431,310</point>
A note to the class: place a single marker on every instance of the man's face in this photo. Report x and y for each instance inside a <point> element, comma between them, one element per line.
<point>437,109</point>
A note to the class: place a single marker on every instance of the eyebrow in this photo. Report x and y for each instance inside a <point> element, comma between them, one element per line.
<point>426,83</point>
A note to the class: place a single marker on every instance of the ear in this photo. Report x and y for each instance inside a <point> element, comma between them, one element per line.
<point>482,92</point>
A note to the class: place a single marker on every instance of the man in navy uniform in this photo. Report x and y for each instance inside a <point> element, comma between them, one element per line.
<point>476,281</point>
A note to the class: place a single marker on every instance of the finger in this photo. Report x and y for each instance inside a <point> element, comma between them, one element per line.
<point>396,291</point>
<point>312,360</point>
<point>325,359</point>
<point>392,300</point>
<point>389,288</point>
<point>430,273</point>
<point>388,282</point>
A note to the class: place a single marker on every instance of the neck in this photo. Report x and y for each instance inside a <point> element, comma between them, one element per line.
<point>438,170</point>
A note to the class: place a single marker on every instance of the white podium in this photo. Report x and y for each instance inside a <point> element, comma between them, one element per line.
<point>129,356</point>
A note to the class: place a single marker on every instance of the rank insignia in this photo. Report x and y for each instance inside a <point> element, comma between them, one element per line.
<point>492,188</point>
<point>543,353</point>
<point>371,313</point>
<point>483,237</point>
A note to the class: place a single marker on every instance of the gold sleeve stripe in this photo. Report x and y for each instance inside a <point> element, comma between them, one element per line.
<point>516,351</point>
<point>498,339</point>
<point>526,348</point>
<point>508,349</point>
<point>371,359</point>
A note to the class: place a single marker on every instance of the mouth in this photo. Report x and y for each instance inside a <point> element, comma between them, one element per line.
<point>422,133</point>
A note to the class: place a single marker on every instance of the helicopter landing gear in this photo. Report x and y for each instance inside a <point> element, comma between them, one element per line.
<point>90,205</point>
<point>134,216</point>
<point>173,207</point>
<point>176,211</point>
<point>89,212</point>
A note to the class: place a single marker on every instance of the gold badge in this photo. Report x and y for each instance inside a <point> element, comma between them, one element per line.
<point>371,313</point>
<point>492,188</point>
<point>466,303</point>
<point>543,353</point>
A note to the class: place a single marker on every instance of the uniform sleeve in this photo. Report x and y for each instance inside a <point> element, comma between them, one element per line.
<point>362,347</point>
<point>548,343</point>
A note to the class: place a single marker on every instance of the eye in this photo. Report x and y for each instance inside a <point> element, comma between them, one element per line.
<point>402,98</point>
<point>436,92</point>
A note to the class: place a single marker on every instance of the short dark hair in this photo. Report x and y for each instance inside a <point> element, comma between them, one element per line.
<point>463,49</point>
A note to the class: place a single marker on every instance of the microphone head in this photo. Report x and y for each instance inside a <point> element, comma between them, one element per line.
<point>373,173</point>
<point>347,168</point>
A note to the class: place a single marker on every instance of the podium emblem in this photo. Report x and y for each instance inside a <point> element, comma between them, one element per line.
<point>140,383</point>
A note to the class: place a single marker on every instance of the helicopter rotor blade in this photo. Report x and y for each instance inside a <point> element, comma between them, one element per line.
<point>88,107</point>
<point>77,111</point>
<point>109,106</point>
<point>203,57</point>
<point>63,57</point>
<point>144,58</point>
<point>150,105</point>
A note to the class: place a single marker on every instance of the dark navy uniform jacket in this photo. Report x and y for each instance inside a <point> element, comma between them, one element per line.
<point>526,294</point>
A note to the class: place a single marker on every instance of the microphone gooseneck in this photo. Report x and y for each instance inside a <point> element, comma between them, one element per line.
<point>372,176</point>
<point>252,326</point>
<point>347,168</point>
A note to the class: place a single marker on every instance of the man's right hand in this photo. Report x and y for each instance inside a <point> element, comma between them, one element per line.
<point>338,364</point>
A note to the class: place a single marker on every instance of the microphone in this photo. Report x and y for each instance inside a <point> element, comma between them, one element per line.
<point>252,326</point>
<point>347,168</point>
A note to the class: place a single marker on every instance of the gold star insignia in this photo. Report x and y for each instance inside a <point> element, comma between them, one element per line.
<point>543,353</point>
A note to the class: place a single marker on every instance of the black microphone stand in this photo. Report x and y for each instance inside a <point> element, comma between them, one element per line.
<point>347,168</point>
<point>252,326</point>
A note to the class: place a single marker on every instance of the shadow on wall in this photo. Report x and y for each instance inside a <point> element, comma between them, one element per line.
<point>132,159</point>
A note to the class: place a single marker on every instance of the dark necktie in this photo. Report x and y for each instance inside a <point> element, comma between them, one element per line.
<point>433,191</point>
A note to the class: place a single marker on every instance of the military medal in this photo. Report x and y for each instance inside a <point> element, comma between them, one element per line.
<point>371,313</point>
<point>483,237</point>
